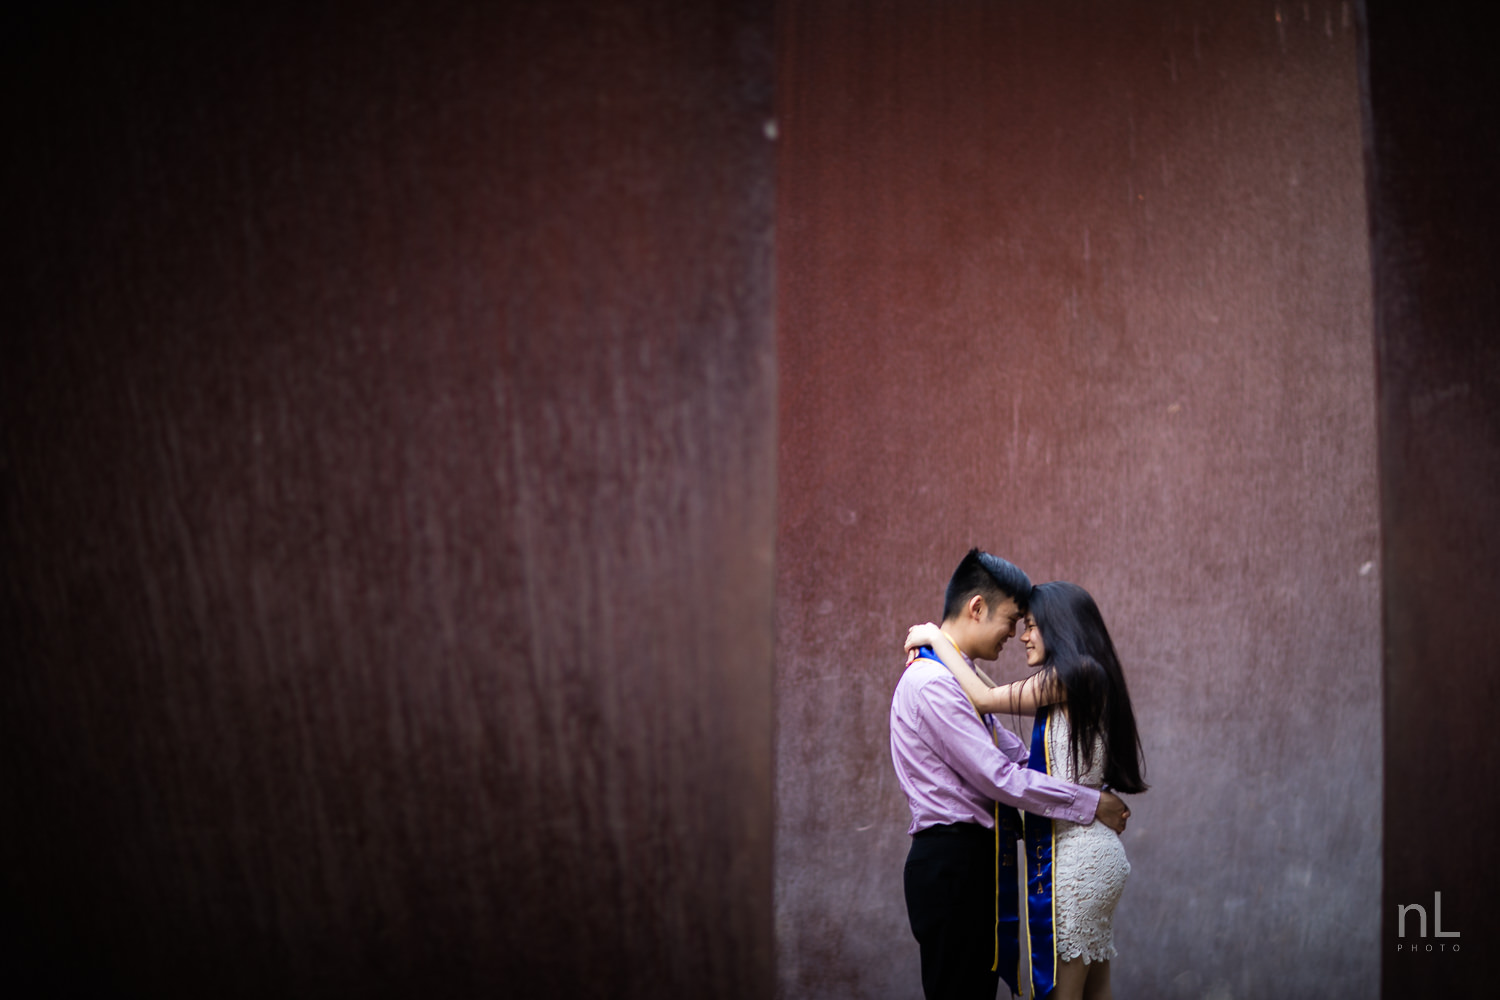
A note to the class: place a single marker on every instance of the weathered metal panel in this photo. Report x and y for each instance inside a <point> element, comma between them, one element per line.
<point>388,461</point>
<point>1087,285</point>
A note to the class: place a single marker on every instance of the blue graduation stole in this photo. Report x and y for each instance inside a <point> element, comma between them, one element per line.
<point>1008,829</point>
<point>1040,841</point>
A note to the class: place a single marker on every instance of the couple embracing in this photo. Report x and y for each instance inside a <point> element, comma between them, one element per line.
<point>975,788</point>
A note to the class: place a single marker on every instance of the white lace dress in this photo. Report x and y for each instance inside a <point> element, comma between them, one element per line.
<point>1089,865</point>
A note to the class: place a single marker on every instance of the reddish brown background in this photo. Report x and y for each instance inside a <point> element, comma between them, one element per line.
<point>1087,285</point>
<point>1433,142</point>
<point>388,496</point>
<point>387,477</point>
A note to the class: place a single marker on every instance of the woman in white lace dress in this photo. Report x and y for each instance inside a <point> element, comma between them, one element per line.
<point>1092,740</point>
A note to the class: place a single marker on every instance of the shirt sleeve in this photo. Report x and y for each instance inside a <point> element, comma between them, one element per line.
<point>957,735</point>
<point>1010,744</point>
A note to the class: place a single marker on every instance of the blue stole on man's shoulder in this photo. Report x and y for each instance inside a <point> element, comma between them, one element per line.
<point>1008,829</point>
<point>1039,844</point>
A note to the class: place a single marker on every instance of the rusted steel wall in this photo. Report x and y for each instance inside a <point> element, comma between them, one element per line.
<point>1433,143</point>
<point>388,492</point>
<point>1086,285</point>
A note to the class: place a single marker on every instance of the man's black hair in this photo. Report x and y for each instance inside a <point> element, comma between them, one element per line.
<point>989,576</point>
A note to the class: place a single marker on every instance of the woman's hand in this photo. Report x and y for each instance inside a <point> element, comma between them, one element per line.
<point>926,634</point>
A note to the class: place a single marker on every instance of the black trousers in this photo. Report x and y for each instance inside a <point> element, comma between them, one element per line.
<point>950,901</point>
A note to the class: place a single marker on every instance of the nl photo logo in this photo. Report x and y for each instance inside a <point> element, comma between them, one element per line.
<point>1411,946</point>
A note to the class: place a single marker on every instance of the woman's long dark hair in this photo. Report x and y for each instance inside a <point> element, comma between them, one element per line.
<point>1081,657</point>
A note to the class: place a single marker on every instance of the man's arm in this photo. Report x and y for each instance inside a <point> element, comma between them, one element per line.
<point>953,730</point>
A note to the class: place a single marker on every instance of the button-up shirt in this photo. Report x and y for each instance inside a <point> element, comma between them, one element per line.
<point>950,766</point>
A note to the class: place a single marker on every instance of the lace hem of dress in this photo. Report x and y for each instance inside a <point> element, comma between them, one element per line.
<point>1089,955</point>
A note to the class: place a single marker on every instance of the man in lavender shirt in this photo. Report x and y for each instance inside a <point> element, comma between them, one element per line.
<point>953,766</point>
